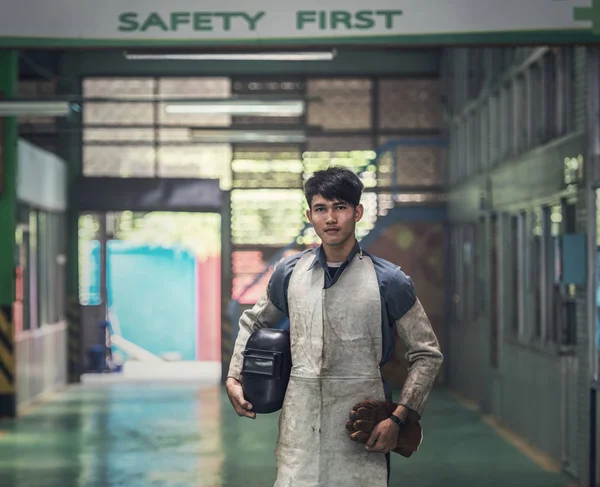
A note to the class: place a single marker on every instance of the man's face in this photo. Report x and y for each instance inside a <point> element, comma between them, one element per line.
<point>333,221</point>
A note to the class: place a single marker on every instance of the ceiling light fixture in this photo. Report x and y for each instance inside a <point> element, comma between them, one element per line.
<point>242,136</point>
<point>240,56</point>
<point>18,108</point>
<point>264,108</point>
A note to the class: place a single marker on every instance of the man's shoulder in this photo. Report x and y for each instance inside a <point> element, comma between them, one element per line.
<point>286,265</point>
<point>396,287</point>
<point>278,284</point>
<point>384,267</point>
<point>294,258</point>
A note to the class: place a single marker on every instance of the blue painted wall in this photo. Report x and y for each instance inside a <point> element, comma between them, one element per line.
<point>152,291</point>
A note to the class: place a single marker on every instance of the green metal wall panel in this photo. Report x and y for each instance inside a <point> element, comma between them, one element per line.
<point>8,221</point>
<point>540,394</point>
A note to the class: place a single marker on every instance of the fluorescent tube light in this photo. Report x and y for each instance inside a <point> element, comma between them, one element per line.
<point>274,108</point>
<point>241,56</point>
<point>34,108</point>
<point>247,136</point>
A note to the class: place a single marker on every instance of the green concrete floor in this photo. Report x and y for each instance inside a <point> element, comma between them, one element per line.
<point>124,435</point>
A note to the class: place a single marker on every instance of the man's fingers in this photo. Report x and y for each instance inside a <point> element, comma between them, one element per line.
<point>247,414</point>
<point>241,401</point>
<point>372,439</point>
<point>244,412</point>
<point>244,408</point>
<point>240,405</point>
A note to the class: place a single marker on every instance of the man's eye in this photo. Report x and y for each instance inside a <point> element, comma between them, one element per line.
<point>341,207</point>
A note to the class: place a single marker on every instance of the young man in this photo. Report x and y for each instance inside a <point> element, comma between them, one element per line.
<point>342,304</point>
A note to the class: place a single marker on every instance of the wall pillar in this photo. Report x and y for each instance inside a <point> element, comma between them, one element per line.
<point>9,78</point>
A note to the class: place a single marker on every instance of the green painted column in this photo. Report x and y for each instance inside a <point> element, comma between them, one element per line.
<point>227,326</point>
<point>9,77</point>
<point>71,152</point>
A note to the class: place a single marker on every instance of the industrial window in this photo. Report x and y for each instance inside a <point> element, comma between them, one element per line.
<point>597,274</point>
<point>495,128</point>
<point>255,167</point>
<point>415,166</point>
<point>480,246</point>
<point>89,273</point>
<point>473,140</point>
<point>555,216</point>
<point>453,159</point>
<point>507,120</point>
<point>537,271</point>
<point>514,291</point>
<point>468,271</point>
<point>41,247</point>
<point>39,130</point>
<point>26,271</point>
<point>484,130</point>
<point>520,115</point>
<point>548,101</point>
<point>340,104</point>
<point>34,277</point>
<point>409,105</point>
<point>51,251</point>
<point>128,132</point>
<point>569,332</point>
<point>257,216</point>
<point>536,109</point>
<point>495,249</point>
<point>529,108</point>
<point>462,150</point>
<point>566,90</point>
<point>456,283</point>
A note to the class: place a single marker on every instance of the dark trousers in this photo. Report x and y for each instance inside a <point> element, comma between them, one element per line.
<point>387,459</point>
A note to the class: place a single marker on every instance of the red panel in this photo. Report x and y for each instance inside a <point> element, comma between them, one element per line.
<point>208,341</point>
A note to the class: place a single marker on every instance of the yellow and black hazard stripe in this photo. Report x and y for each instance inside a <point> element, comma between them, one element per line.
<point>8,403</point>
<point>7,351</point>
<point>226,340</point>
<point>73,313</point>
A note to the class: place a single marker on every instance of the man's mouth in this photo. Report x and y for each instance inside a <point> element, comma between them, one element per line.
<point>332,230</point>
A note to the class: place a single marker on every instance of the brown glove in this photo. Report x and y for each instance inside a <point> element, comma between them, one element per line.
<point>366,414</point>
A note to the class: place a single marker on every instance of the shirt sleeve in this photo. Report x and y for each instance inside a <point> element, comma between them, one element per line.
<point>266,313</point>
<point>422,348</point>
<point>399,294</point>
<point>279,283</point>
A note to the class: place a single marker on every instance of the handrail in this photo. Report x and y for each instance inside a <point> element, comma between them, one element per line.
<point>384,148</point>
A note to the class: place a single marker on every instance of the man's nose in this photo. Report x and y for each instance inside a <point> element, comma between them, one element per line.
<point>330,217</point>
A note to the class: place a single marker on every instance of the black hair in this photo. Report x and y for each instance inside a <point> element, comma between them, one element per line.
<point>334,183</point>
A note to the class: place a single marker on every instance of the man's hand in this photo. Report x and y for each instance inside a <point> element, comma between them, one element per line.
<point>384,437</point>
<point>236,397</point>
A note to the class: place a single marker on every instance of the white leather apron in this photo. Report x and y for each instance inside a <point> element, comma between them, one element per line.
<point>336,349</point>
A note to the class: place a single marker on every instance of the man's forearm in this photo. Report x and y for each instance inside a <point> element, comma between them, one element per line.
<point>423,355</point>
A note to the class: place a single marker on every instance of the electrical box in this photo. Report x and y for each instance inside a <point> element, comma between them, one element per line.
<point>574,258</point>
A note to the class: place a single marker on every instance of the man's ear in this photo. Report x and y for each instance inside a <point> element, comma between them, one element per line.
<point>309,215</point>
<point>358,213</point>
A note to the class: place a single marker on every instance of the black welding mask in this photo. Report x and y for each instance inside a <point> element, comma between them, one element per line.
<point>266,369</point>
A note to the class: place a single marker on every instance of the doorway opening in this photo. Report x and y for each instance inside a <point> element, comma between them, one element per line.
<point>149,286</point>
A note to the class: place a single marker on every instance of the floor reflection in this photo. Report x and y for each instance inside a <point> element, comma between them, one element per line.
<point>185,435</point>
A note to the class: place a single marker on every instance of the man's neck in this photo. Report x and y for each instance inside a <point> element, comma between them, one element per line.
<point>339,253</point>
